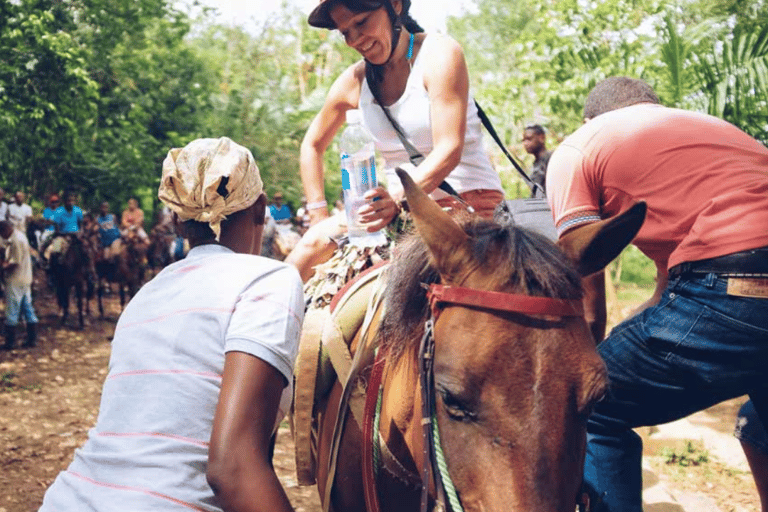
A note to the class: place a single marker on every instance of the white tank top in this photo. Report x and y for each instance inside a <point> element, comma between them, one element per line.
<point>411,111</point>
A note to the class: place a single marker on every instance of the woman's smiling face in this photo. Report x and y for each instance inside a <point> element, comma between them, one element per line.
<point>370,32</point>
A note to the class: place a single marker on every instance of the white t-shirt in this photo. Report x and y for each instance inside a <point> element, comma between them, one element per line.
<point>412,112</point>
<point>149,448</point>
<point>19,215</point>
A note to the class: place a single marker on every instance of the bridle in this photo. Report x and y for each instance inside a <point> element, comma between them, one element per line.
<point>438,296</point>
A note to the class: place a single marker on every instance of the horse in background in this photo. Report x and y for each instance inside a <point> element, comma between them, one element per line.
<point>485,382</point>
<point>73,268</point>
<point>165,247</point>
<point>123,265</point>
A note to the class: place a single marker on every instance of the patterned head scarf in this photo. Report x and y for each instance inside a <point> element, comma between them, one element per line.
<point>209,179</point>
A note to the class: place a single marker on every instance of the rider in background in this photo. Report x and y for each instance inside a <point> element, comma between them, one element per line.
<point>280,212</point>
<point>702,337</point>
<point>132,227</point>
<point>132,221</point>
<point>423,80</point>
<point>50,209</point>
<point>202,359</point>
<point>67,220</point>
<point>109,234</point>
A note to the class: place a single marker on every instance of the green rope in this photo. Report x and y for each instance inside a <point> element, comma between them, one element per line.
<point>442,466</point>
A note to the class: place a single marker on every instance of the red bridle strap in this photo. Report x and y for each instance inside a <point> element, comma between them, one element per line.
<point>501,301</point>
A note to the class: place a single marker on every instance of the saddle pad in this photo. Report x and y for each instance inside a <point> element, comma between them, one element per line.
<point>324,355</point>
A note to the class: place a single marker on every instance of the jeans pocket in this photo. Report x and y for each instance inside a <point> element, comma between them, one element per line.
<point>720,348</point>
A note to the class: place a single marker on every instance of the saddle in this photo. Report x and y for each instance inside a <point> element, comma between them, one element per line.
<point>324,357</point>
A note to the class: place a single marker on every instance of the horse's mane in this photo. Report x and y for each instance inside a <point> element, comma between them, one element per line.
<point>521,260</point>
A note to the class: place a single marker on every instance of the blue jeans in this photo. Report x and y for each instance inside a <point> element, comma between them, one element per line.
<point>749,428</point>
<point>697,347</point>
<point>18,301</point>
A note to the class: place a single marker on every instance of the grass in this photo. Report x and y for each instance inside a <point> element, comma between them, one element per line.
<point>6,380</point>
<point>691,454</point>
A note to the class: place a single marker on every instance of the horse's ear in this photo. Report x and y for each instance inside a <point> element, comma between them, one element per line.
<point>593,246</point>
<point>447,242</point>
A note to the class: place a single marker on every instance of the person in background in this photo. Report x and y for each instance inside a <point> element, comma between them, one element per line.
<point>202,359</point>
<point>17,281</point>
<point>302,216</point>
<point>422,79</point>
<point>132,221</point>
<point>69,217</point>
<point>50,209</point>
<point>109,233</point>
<point>67,220</point>
<point>702,337</point>
<point>280,212</point>
<point>19,212</point>
<point>535,143</point>
<point>3,206</point>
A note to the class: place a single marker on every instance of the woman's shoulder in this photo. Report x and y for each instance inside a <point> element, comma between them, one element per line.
<point>439,43</point>
<point>442,57</point>
<point>346,88</point>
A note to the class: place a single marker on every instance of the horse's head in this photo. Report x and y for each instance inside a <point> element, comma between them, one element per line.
<point>513,385</point>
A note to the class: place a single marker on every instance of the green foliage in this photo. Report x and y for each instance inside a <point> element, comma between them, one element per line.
<point>734,79</point>
<point>689,455</point>
<point>47,96</point>
<point>94,93</point>
<point>636,267</point>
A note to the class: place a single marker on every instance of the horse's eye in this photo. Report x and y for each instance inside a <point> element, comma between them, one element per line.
<point>455,408</point>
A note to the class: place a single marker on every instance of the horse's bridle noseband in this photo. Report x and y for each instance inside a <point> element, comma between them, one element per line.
<point>438,295</point>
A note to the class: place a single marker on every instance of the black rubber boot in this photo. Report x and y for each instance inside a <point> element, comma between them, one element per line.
<point>10,337</point>
<point>31,336</point>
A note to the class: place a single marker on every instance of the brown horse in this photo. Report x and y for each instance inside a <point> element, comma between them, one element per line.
<point>126,269</point>
<point>72,269</point>
<point>509,385</point>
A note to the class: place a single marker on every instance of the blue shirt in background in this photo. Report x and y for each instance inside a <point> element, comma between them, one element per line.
<point>108,229</point>
<point>68,222</point>
<point>279,214</point>
<point>48,214</point>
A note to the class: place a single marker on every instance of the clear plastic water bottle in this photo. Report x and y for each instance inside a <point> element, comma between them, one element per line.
<point>358,176</point>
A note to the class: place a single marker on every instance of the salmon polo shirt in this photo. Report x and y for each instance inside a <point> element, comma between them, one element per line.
<point>705,181</point>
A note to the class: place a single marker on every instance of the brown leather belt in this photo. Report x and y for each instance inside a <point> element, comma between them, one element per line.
<point>750,263</point>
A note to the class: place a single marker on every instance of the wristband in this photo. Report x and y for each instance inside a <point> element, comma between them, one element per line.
<point>317,205</point>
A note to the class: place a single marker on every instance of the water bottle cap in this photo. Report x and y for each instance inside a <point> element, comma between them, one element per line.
<point>354,116</point>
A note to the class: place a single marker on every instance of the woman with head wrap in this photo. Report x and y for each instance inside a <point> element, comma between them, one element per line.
<point>422,79</point>
<point>201,366</point>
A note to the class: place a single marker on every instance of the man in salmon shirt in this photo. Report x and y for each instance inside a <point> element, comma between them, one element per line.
<point>703,336</point>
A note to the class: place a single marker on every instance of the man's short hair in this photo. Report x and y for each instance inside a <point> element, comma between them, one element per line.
<point>617,92</point>
<point>536,128</point>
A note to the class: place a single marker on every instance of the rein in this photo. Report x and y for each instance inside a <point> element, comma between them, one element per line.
<point>438,295</point>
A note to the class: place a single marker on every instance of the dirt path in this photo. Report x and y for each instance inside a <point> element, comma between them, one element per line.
<point>49,398</point>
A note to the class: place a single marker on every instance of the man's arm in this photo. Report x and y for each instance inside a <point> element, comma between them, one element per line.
<point>239,468</point>
<point>661,284</point>
<point>594,304</point>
